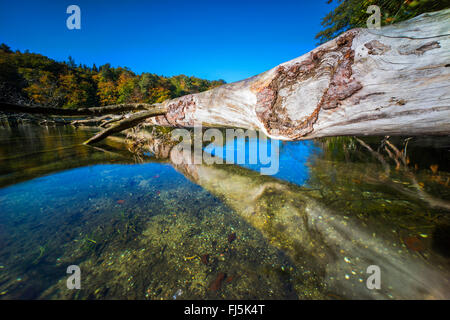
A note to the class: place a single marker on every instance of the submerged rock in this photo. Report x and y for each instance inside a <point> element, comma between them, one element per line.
<point>177,294</point>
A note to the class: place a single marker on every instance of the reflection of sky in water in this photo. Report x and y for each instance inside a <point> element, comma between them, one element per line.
<point>291,158</point>
<point>108,178</point>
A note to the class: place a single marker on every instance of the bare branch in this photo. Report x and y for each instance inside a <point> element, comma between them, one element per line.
<point>128,122</point>
<point>95,111</point>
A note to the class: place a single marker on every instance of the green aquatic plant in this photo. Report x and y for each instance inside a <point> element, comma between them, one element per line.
<point>42,250</point>
<point>89,243</point>
<point>128,225</point>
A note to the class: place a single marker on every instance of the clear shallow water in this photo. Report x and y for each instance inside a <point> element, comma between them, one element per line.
<point>143,227</point>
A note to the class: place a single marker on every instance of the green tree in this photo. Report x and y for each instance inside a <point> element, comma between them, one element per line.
<point>352,14</point>
<point>71,62</point>
<point>5,48</point>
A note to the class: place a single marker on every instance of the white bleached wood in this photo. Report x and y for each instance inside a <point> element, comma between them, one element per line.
<point>399,85</point>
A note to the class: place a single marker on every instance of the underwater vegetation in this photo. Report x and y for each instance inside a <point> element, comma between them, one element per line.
<point>142,227</point>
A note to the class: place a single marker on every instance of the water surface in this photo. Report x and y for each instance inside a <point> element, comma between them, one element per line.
<point>145,226</point>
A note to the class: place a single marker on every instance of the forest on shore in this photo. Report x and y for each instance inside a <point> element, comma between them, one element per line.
<point>34,79</point>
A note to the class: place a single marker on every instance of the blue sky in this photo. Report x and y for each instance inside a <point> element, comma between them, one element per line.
<point>212,39</point>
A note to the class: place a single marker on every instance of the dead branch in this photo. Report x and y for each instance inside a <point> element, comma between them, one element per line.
<point>108,122</point>
<point>95,111</point>
<point>398,157</point>
<point>92,121</point>
<point>128,122</point>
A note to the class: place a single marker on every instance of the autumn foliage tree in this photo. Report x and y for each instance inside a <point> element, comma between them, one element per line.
<point>35,79</point>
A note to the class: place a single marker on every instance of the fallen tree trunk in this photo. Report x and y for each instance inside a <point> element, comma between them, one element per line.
<point>391,81</point>
<point>95,111</point>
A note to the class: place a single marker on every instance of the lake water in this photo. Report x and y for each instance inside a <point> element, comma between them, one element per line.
<point>144,225</point>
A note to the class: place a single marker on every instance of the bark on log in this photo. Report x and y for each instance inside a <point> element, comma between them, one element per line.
<point>392,81</point>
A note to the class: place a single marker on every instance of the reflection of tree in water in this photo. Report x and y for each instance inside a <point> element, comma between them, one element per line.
<point>402,161</point>
<point>35,151</point>
<point>340,225</point>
